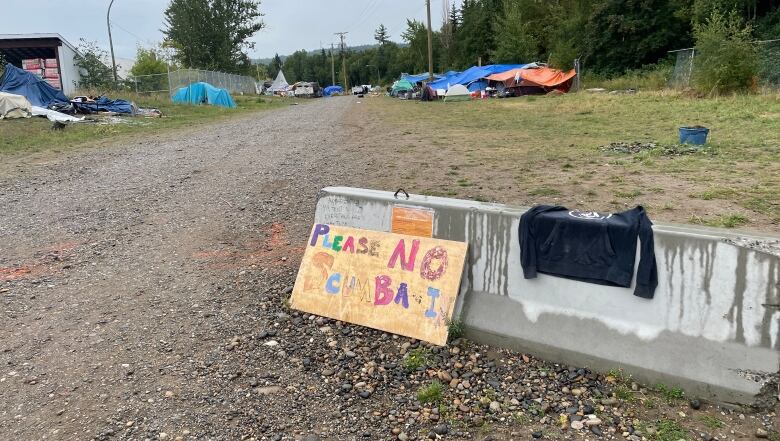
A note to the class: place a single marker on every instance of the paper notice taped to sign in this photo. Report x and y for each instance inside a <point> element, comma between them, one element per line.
<point>412,221</point>
<point>397,283</point>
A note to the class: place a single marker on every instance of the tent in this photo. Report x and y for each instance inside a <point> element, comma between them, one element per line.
<point>472,74</point>
<point>540,76</point>
<point>280,83</point>
<point>199,93</point>
<point>401,85</point>
<point>333,90</point>
<point>30,86</point>
<point>14,106</point>
<point>457,92</point>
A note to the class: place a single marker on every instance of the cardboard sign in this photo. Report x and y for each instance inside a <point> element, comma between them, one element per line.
<point>412,221</point>
<point>396,283</point>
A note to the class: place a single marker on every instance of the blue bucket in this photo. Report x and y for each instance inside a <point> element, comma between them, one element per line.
<point>693,135</point>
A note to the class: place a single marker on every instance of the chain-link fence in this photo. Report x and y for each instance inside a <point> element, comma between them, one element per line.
<point>768,65</point>
<point>172,81</point>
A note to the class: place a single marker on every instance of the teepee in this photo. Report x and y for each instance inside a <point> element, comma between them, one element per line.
<point>280,83</point>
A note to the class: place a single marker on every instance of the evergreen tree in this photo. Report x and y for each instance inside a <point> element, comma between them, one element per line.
<point>381,35</point>
<point>514,41</point>
<point>274,66</point>
<point>213,34</point>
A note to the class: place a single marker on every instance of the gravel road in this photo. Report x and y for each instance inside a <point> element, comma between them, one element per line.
<point>143,290</point>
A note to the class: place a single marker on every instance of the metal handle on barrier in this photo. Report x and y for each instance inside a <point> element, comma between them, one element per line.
<point>401,190</point>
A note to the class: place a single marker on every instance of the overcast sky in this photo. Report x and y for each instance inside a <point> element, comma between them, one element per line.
<point>290,24</point>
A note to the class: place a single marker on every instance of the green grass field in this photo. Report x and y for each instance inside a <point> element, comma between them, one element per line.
<point>547,149</point>
<point>35,134</point>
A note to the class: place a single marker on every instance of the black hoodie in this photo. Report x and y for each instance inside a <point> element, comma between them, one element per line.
<point>589,246</point>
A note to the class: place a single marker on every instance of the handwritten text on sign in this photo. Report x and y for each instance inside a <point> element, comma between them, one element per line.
<point>402,284</point>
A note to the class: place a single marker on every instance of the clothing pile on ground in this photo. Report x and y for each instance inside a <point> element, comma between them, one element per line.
<point>495,80</point>
<point>23,94</point>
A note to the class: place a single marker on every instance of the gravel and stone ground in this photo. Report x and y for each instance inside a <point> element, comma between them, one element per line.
<point>144,288</point>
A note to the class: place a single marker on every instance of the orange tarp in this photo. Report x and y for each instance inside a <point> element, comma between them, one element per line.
<point>543,76</point>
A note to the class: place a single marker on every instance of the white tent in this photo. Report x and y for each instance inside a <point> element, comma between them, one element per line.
<point>280,83</point>
<point>457,92</point>
<point>14,106</point>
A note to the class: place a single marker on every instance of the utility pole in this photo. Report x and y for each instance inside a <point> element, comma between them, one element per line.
<point>430,42</point>
<point>332,67</point>
<point>343,59</point>
<point>111,41</point>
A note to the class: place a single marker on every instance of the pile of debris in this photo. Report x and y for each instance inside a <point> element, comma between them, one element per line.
<point>628,147</point>
<point>23,94</point>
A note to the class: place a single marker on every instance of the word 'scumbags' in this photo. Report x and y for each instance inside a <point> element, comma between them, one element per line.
<point>397,283</point>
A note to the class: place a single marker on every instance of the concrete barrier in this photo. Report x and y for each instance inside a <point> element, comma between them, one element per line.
<point>713,327</point>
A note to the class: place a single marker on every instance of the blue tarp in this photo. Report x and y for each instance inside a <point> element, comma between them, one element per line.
<point>472,74</point>
<point>419,77</point>
<point>204,93</point>
<point>38,92</point>
<point>478,85</point>
<point>330,90</point>
<point>103,104</point>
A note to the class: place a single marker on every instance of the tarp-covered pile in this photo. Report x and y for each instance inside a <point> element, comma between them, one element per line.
<point>14,106</point>
<point>333,90</point>
<point>543,77</point>
<point>204,93</point>
<point>37,91</point>
<point>105,104</point>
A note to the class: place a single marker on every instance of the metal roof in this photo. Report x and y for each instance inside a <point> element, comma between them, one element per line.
<point>38,36</point>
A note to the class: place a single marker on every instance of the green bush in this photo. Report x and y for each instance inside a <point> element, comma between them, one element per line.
<point>726,56</point>
<point>652,77</point>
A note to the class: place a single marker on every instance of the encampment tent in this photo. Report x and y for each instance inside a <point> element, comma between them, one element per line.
<point>472,74</point>
<point>204,93</point>
<point>30,86</point>
<point>400,86</point>
<point>457,92</point>
<point>14,106</point>
<point>280,83</point>
<point>333,90</point>
<point>539,76</point>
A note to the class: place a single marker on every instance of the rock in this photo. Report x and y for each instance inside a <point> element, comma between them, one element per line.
<point>163,435</point>
<point>395,431</point>
<point>441,429</point>
<point>537,434</point>
<point>350,354</point>
<point>577,425</point>
<point>311,437</point>
<point>271,343</point>
<point>328,372</point>
<point>576,392</point>
<point>444,376</point>
<point>495,406</point>
<point>761,433</point>
<point>588,409</point>
<point>168,394</point>
<point>593,422</point>
<point>611,401</point>
<point>346,387</point>
<point>403,436</point>
<point>695,404</point>
<point>269,390</point>
<point>596,431</point>
<point>364,394</point>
